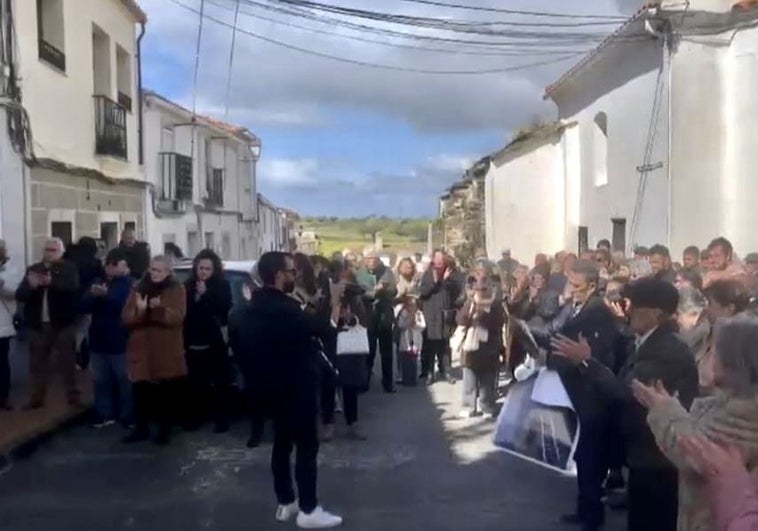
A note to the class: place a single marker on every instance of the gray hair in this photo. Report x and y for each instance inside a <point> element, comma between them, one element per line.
<point>735,341</point>
<point>58,242</point>
<point>691,301</point>
<point>165,260</point>
<point>588,270</point>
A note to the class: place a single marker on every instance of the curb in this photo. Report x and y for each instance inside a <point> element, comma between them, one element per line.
<point>24,448</point>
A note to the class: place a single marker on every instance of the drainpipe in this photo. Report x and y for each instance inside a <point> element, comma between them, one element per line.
<point>139,93</point>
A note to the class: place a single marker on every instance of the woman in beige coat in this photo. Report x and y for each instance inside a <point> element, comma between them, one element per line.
<point>155,314</point>
<point>729,417</point>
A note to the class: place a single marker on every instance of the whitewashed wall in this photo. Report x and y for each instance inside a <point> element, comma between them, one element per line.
<point>622,83</point>
<point>61,105</point>
<point>524,202</point>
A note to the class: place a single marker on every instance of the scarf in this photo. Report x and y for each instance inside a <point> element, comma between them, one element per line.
<point>154,289</point>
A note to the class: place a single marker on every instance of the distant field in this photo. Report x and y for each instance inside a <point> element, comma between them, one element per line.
<point>337,234</point>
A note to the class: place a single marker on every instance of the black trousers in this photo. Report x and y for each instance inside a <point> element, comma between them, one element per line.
<point>349,403</point>
<point>295,430</point>
<point>592,468</point>
<point>652,499</point>
<point>155,402</point>
<point>434,348</point>
<point>208,386</point>
<point>382,338</point>
<point>5,368</point>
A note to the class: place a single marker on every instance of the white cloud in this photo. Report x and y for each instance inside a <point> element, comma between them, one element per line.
<point>275,86</point>
<point>289,172</point>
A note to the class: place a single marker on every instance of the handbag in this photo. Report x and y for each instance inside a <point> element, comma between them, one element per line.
<point>352,357</point>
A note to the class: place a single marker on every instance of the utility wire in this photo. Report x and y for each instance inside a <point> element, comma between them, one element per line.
<point>450,51</point>
<point>377,65</point>
<point>541,41</point>
<point>516,11</point>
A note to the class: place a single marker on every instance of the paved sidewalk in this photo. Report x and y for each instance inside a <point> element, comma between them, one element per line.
<point>20,429</point>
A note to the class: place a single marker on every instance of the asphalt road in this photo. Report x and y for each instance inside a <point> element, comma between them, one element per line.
<point>420,470</point>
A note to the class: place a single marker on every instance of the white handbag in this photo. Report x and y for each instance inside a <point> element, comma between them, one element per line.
<point>353,340</point>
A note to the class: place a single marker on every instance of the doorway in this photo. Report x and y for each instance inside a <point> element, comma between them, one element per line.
<point>63,230</point>
<point>109,234</point>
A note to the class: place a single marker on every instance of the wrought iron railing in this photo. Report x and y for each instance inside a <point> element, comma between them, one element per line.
<point>176,173</point>
<point>51,55</point>
<point>110,128</point>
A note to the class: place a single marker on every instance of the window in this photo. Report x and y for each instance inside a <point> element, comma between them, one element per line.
<point>600,149</point>
<point>210,241</point>
<point>130,225</point>
<point>619,234</point>
<point>51,39</point>
<point>193,242</point>
<point>216,187</point>
<point>101,62</point>
<point>63,230</point>
<point>124,77</point>
<point>226,245</point>
<point>584,239</point>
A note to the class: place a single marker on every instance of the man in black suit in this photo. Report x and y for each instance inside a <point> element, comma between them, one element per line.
<point>585,318</point>
<point>272,339</point>
<point>659,356</point>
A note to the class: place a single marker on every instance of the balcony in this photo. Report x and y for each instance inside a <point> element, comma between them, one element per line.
<point>51,55</point>
<point>125,101</point>
<point>176,174</point>
<point>215,189</point>
<point>110,128</point>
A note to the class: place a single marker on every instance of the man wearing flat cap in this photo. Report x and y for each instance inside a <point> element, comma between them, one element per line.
<point>659,358</point>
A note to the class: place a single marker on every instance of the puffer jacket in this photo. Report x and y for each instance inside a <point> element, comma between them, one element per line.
<point>10,278</point>
<point>724,418</point>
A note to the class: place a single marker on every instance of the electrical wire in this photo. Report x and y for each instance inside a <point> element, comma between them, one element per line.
<point>515,11</point>
<point>378,65</point>
<point>456,51</point>
<point>470,27</point>
<point>333,21</point>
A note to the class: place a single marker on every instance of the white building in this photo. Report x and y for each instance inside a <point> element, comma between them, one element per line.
<point>662,150</point>
<point>269,227</point>
<point>525,206</point>
<point>202,176</point>
<point>77,74</point>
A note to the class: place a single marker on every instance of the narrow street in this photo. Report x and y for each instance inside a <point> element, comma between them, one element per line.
<point>421,469</point>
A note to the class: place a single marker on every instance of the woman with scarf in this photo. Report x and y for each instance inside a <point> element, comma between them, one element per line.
<point>155,314</point>
<point>209,300</point>
<point>483,318</point>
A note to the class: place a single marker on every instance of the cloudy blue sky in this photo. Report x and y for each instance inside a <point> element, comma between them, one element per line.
<point>347,140</point>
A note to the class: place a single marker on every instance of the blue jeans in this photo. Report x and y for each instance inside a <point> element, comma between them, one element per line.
<point>112,387</point>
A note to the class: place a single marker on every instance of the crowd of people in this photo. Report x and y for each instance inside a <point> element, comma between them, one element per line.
<point>656,356</point>
<point>659,361</point>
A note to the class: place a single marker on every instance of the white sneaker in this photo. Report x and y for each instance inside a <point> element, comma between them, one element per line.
<point>285,513</point>
<point>318,519</point>
<point>488,416</point>
<point>465,414</point>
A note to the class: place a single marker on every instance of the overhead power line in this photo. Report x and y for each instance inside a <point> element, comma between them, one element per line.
<point>516,11</point>
<point>484,52</point>
<point>543,40</point>
<point>459,26</point>
<point>501,70</point>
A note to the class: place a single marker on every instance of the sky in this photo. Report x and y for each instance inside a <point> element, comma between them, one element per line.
<point>341,139</point>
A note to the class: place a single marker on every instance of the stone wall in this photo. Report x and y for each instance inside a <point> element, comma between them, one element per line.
<point>463,220</point>
<point>84,202</point>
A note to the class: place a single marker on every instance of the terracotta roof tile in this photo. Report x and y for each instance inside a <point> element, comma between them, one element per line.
<point>744,5</point>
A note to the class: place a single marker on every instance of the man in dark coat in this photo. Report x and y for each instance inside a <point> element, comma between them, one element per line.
<point>659,355</point>
<point>440,291</point>
<point>590,319</point>
<point>272,339</point>
<point>50,294</point>
<point>137,253</point>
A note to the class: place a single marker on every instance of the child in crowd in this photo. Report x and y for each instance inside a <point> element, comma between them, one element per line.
<point>409,330</point>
